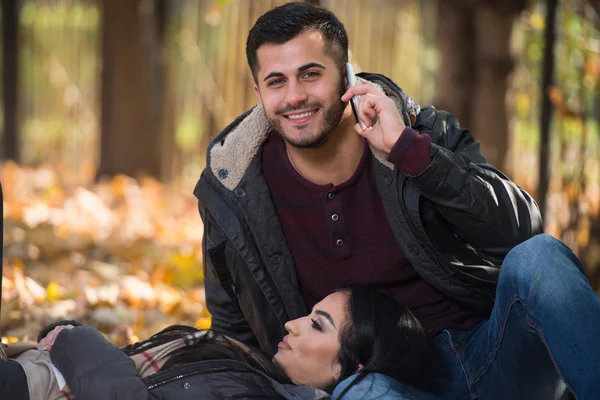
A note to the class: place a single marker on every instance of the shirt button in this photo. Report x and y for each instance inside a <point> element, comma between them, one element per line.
<point>330,195</point>
<point>335,217</point>
<point>339,242</point>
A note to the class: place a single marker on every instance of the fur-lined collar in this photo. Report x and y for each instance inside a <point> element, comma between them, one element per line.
<point>230,154</point>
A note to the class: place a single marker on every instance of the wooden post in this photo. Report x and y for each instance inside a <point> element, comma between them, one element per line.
<point>547,109</point>
<point>132,98</point>
<point>10,78</point>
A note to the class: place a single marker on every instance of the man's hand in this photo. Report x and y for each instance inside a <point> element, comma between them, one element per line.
<point>376,106</point>
<point>48,341</point>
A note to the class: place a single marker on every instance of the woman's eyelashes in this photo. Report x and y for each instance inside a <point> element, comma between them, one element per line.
<point>316,325</point>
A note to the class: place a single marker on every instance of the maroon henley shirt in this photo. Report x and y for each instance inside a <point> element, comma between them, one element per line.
<point>340,236</point>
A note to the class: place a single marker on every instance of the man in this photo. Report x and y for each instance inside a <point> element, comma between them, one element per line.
<point>297,200</point>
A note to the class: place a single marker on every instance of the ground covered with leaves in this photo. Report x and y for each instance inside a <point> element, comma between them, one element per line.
<point>122,255</point>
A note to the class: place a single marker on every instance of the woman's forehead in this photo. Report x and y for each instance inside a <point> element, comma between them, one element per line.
<point>335,304</point>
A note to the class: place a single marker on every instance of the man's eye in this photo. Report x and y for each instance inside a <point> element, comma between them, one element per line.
<point>311,74</point>
<point>316,325</point>
<point>275,82</point>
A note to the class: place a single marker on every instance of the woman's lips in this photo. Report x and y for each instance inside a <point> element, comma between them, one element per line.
<point>283,345</point>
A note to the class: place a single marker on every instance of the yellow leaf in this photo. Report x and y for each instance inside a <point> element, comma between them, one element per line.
<point>537,21</point>
<point>53,291</point>
<point>203,323</point>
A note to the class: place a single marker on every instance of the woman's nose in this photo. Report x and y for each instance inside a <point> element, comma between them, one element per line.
<point>292,326</point>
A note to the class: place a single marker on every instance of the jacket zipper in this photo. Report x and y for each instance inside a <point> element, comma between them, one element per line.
<point>180,376</point>
<point>155,381</point>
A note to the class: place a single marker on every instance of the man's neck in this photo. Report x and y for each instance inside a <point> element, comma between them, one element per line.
<point>333,162</point>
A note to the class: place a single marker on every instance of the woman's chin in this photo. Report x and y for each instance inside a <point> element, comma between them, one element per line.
<point>276,360</point>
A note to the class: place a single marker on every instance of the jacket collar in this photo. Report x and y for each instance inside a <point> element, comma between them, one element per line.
<point>230,153</point>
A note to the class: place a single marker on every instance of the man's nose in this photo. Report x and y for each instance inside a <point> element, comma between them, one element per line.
<point>296,94</point>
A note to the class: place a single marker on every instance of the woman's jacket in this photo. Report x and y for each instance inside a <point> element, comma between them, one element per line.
<point>95,369</point>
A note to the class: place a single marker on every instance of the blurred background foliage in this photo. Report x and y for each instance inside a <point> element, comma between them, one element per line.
<point>107,108</point>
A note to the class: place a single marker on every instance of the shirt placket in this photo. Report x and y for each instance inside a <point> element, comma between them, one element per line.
<point>336,224</point>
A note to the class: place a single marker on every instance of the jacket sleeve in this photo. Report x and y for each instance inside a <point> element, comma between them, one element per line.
<point>374,386</point>
<point>94,368</point>
<point>483,206</point>
<point>221,297</point>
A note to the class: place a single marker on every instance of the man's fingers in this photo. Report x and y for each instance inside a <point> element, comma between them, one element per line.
<point>363,132</point>
<point>367,112</point>
<point>361,90</point>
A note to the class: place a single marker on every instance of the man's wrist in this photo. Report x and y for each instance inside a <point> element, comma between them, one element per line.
<point>411,152</point>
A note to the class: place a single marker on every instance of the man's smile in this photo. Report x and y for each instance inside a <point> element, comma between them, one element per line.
<point>301,117</point>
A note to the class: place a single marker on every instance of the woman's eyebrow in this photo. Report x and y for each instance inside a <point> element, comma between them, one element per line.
<point>326,315</point>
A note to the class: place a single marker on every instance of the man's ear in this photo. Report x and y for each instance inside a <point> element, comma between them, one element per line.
<point>257,93</point>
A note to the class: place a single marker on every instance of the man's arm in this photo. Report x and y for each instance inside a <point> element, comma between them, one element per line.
<point>484,207</point>
<point>221,297</point>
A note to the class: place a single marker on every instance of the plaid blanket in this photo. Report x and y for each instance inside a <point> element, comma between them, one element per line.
<point>151,360</point>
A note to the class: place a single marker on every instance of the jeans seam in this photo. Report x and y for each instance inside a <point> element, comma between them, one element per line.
<point>457,350</point>
<point>494,351</point>
<point>514,299</point>
<point>543,339</point>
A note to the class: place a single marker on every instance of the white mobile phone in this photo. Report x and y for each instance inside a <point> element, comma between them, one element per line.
<point>355,99</point>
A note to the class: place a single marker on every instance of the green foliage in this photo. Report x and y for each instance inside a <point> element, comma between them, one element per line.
<point>61,15</point>
<point>189,131</point>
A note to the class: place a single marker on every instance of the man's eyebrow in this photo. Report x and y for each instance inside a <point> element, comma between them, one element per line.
<point>273,74</point>
<point>326,315</point>
<point>310,65</point>
<point>300,69</point>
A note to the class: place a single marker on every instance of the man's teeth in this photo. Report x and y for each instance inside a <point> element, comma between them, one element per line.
<point>303,115</point>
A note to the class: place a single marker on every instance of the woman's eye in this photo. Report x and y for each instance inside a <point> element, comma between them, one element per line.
<point>316,325</point>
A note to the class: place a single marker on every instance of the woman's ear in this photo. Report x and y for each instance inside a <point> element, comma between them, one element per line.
<point>360,366</point>
<point>337,371</point>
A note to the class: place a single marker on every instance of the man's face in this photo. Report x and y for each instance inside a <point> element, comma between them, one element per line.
<point>300,88</point>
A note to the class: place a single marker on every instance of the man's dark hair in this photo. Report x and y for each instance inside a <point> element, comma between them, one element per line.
<point>287,21</point>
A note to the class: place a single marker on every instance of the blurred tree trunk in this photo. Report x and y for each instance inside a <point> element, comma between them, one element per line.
<point>133,87</point>
<point>10,79</point>
<point>547,108</point>
<point>456,75</point>
<point>590,255</point>
<point>476,62</point>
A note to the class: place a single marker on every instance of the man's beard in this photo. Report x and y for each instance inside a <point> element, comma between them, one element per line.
<point>331,120</point>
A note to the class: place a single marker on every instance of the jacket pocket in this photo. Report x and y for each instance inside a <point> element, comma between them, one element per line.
<point>218,261</point>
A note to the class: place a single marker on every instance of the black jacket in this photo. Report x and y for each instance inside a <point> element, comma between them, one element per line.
<point>455,222</point>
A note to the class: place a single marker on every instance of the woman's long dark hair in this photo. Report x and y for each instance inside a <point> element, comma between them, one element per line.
<point>382,336</point>
<point>212,346</point>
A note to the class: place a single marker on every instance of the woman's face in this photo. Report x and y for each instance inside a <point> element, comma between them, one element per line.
<point>309,353</point>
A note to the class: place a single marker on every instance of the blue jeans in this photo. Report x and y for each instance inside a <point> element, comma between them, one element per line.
<point>544,329</point>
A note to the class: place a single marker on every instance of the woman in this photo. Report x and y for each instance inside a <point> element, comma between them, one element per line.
<point>352,342</point>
